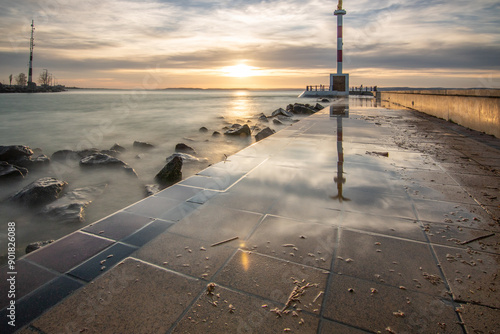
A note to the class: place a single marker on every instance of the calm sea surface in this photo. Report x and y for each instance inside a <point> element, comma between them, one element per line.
<point>82,119</point>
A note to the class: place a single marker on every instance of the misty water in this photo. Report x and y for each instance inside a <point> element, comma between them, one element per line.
<point>82,119</point>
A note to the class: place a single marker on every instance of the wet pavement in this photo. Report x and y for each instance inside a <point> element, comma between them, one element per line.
<point>368,220</point>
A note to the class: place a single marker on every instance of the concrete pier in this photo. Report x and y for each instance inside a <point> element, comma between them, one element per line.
<point>357,220</point>
<point>478,109</point>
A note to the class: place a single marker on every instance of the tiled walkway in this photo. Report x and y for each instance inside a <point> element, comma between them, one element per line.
<point>340,230</point>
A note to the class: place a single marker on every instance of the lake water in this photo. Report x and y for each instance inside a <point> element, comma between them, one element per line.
<point>82,119</point>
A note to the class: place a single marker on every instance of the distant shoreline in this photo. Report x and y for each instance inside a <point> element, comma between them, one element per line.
<point>26,89</point>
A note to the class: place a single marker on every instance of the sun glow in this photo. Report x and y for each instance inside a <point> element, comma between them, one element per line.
<point>239,71</point>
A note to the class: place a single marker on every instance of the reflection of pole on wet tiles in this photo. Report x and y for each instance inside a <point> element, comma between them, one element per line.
<point>223,242</point>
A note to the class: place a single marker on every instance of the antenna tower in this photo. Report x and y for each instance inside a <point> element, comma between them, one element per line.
<point>32,44</point>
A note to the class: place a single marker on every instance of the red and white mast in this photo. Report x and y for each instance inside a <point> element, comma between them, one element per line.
<point>340,21</point>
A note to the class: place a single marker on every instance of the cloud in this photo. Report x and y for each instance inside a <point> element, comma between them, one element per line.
<point>205,35</point>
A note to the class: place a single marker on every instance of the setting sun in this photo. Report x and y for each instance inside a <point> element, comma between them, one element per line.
<point>239,71</point>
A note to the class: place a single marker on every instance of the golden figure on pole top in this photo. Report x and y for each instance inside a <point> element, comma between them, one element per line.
<point>339,7</point>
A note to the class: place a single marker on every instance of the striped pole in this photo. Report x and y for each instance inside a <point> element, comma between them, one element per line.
<point>340,14</point>
<point>32,44</point>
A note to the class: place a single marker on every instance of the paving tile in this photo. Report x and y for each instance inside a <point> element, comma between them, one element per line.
<point>102,262</point>
<point>328,327</point>
<point>69,251</point>
<point>180,212</point>
<point>37,303</point>
<point>148,233</point>
<point>127,299</point>
<point>307,209</point>
<point>458,236</point>
<point>446,212</point>
<point>250,195</point>
<point>238,312</point>
<point>439,192</point>
<point>303,243</point>
<point>481,286</point>
<point>213,183</point>
<point>178,192</point>
<point>378,204</point>
<point>351,301</point>
<point>436,177</point>
<point>215,223</point>
<point>273,279</point>
<point>392,226</point>
<point>118,226</point>
<point>153,207</point>
<point>186,255</point>
<point>28,278</point>
<point>396,262</point>
<point>480,319</point>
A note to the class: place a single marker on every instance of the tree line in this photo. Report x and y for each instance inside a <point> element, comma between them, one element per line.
<point>22,80</point>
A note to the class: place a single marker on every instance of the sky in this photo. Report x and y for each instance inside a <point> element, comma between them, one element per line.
<point>154,44</point>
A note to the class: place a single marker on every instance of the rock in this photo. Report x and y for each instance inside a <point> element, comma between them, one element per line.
<point>289,108</point>
<point>216,134</point>
<point>318,106</point>
<point>8,171</point>
<point>118,148</point>
<point>285,118</point>
<point>185,157</point>
<point>39,192</point>
<point>143,145</point>
<point>171,173</point>
<point>70,207</point>
<point>41,160</point>
<point>325,100</point>
<point>105,160</point>
<point>87,152</point>
<point>112,153</point>
<point>151,189</point>
<point>277,121</point>
<point>203,129</point>
<point>65,155</point>
<point>14,153</point>
<point>181,147</point>
<point>236,126</point>
<point>302,109</point>
<point>100,159</point>
<point>241,131</point>
<point>264,133</point>
<point>37,245</point>
<point>281,111</point>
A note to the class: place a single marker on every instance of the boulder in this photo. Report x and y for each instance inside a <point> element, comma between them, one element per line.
<point>70,207</point>
<point>281,111</point>
<point>39,192</point>
<point>37,245</point>
<point>185,157</point>
<point>171,173</point>
<point>263,118</point>
<point>264,133</point>
<point>181,147</point>
<point>101,159</point>
<point>277,121</point>
<point>318,106</point>
<point>8,171</point>
<point>14,153</point>
<point>203,129</point>
<point>28,162</point>
<point>65,155</point>
<point>325,100</point>
<point>241,131</point>
<point>216,134</point>
<point>88,151</point>
<point>105,160</point>
<point>142,145</point>
<point>118,148</point>
<point>284,118</point>
<point>151,189</point>
<point>303,109</point>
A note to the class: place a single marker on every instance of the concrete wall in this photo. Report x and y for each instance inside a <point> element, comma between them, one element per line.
<point>475,109</point>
